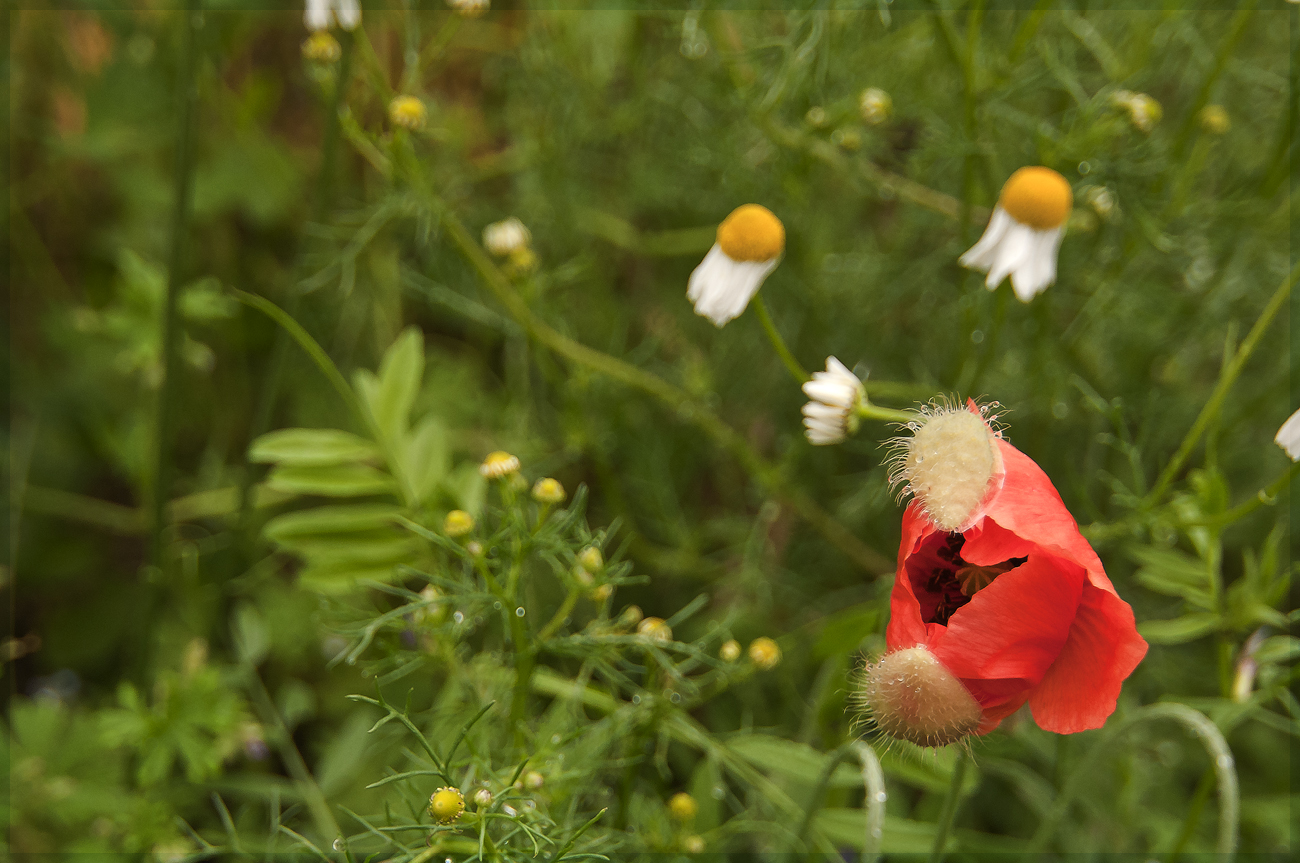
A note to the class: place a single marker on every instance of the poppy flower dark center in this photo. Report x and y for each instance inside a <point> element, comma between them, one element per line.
<point>943,581</point>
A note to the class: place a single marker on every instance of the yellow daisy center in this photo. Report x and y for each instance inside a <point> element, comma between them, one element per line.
<point>1038,197</point>
<point>446,804</point>
<point>751,233</point>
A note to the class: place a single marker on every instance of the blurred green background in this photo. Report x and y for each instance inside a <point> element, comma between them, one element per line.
<point>621,137</point>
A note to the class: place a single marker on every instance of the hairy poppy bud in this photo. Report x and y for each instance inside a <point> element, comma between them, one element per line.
<point>949,464</point>
<point>910,695</point>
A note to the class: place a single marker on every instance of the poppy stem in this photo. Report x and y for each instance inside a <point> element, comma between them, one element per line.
<point>950,804</point>
<point>774,336</point>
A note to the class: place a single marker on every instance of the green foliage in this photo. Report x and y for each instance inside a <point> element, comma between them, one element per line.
<point>347,353</point>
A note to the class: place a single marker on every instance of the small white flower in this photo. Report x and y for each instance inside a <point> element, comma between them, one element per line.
<point>750,242</point>
<point>1023,236</point>
<point>875,105</point>
<point>829,417</point>
<point>1288,436</point>
<point>510,235</point>
<point>321,14</point>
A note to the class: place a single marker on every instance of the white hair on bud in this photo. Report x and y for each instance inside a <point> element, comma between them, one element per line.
<point>949,462</point>
<point>910,695</point>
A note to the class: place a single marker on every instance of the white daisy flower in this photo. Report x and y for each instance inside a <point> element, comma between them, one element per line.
<point>830,416</point>
<point>321,14</point>
<point>1025,232</point>
<point>750,242</point>
<point>505,237</point>
<point>1288,436</point>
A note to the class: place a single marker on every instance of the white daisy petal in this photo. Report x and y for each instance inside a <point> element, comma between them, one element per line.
<point>317,15</point>
<point>1010,248</point>
<point>834,393</point>
<point>721,288</point>
<point>1288,436</point>
<point>348,13</point>
<point>982,255</point>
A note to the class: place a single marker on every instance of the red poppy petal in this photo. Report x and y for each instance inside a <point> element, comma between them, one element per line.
<point>1015,627</point>
<point>1030,508</point>
<point>1080,689</point>
<point>989,543</point>
<point>906,628</point>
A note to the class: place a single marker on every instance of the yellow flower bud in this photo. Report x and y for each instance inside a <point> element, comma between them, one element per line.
<point>683,806</point>
<point>1214,119</point>
<point>457,523</point>
<point>655,629</point>
<point>548,490</point>
<point>483,798</point>
<point>730,651</point>
<point>533,780</point>
<point>591,559</point>
<point>321,47</point>
<point>408,112</point>
<point>498,464</point>
<point>764,653</point>
<point>446,805</point>
<point>693,844</point>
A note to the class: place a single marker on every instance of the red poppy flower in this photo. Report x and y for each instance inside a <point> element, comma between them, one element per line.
<point>1015,604</point>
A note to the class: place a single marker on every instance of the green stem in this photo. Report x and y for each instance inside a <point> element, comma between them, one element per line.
<point>867,411</point>
<point>1228,377</point>
<point>324,199</point>
<point>1236,30</point>
<point>675,398</point>
<point>1266,495</point>
<point>558,620</point>
<point>760,307</point>
<point>183,185</point>
<point>1202,728</point>
<point>951,802</point>
<point>293,760</point>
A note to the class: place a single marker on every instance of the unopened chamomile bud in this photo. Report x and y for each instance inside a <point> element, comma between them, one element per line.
<point>693,844</point>
<point>1214,119</point>
<point>591,559</point>
<point>474,548</point>
<point>910,695</point>
<point>549,491</point>
<point>408,112</point>
<point>482,798</point>
<point>602,593</point>
<point>683,806</point>
<point>586,579</point>
<point>446,805</point>
<point>457,523</point>
<point>631,616</point>
<point>321,47</point>
<point>655,629</point>
<point>534,780</point>
<point>730,651</point>
<point>498,464</point>
<point>764,653</point>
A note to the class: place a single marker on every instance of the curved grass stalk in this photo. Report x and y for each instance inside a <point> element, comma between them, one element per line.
<point>873,778</point>
<point>774,336</point>
<point>1204,730</point>
<point>1231,371</point>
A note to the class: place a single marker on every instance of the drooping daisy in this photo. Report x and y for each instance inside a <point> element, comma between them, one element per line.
<point>321,14</point>
<point>1288,436</point>
<point>830,417</point>
<point>1025,232</point>
<point>750,242</point>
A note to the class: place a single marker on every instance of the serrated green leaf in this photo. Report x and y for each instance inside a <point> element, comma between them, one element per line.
<point>344,480</point>
<point>427,457</point>
<point>332,578</point>
<point>311,447</point>
<point>400,374</point>
<point>327,520</point>
<point>1189,627</point>
<point>791,759</point>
